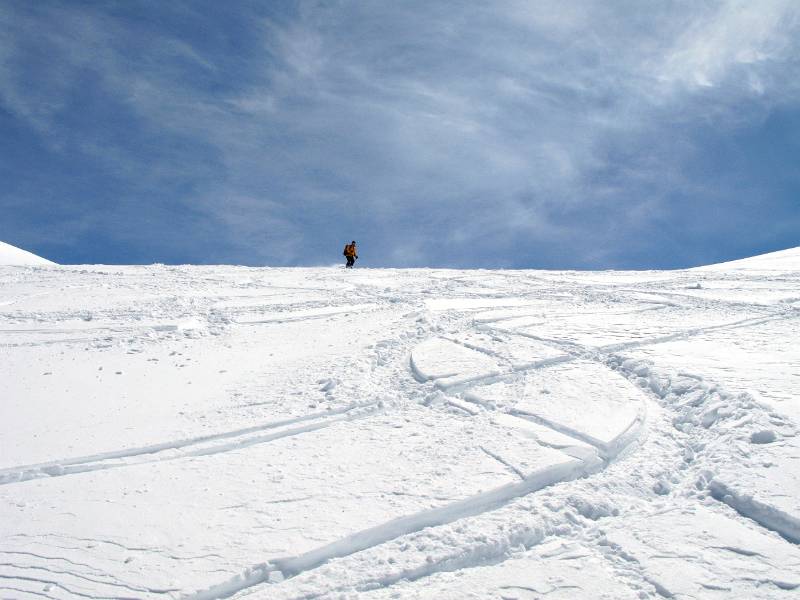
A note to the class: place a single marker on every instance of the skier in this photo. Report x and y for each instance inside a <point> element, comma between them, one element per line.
<point>350,254</point>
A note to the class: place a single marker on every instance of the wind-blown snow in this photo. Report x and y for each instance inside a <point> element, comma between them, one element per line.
<point>11,255</point>
<point>213,432</point>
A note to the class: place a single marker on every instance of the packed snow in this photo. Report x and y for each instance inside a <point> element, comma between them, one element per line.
<point>213,432</point>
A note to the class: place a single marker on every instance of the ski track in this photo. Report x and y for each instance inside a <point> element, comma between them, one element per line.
<point>316,313</point>
<point>606,451</point>
<point>284,568</point>
<point>279,569</point>
<point>488,552</point>
<point>574,351</point>
<point>767,516</point>
<point>374,536</point>
<point>189,447</point>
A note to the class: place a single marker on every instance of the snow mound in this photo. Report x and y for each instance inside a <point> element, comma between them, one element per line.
<point>783,260</point>
<point>11,255</point>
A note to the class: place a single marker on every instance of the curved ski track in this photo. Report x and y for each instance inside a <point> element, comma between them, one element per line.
<point>278,569</point>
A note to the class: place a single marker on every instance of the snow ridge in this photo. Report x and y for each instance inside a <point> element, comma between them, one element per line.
<point>11,255</point>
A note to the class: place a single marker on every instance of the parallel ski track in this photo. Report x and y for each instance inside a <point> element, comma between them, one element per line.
<point>291,566</point>
<point>374,536</point>
<point>189,447</point>
<point>480,503</point>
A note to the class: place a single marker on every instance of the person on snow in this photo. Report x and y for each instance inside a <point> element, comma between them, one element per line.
<point>350,254</point>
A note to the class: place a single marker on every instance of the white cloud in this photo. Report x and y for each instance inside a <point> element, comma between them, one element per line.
<point>406,119</point>
<point>737,34</point>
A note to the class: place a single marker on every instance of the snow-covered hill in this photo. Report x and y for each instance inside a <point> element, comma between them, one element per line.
<point>208,432</point>
<point>11,255</point>
<point>783,260</point>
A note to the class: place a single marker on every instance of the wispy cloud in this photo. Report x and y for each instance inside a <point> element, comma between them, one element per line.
<point>512,134</point>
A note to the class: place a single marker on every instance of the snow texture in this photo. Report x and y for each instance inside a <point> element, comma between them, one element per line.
<point>11,255</point>
<point>216,432</point>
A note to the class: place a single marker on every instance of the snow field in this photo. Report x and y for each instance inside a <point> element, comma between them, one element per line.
<point>299,433</point>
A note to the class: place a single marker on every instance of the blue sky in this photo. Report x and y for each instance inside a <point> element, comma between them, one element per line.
<point>515,134</point>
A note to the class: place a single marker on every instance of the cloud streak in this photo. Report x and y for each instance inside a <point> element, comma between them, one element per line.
<point>435,133</point>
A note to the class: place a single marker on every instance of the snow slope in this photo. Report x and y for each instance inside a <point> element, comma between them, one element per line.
<point>782,260</point>
<point>214,432</point>
<point>11,255</point>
